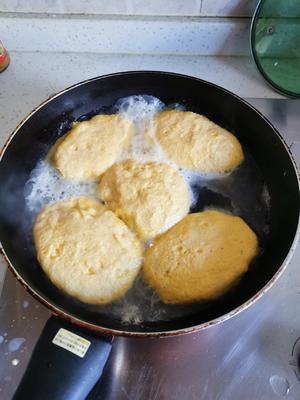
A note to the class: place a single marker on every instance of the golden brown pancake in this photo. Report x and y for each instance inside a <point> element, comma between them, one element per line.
<point>91,147</point>
<point>200,258</point>
<point>86,250</point>
<point>194,142</point>
<point>150,197</point>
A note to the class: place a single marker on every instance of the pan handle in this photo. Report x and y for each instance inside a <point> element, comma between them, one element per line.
<point>58,368</point>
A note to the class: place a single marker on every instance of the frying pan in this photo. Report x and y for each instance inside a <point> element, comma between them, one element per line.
<point>264,190</point>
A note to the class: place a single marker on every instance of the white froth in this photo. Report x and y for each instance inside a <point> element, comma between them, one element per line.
<point>46,186</point>
<point>131,315</point>
<point>194,179</point>
<point>193,176</point>
<point>141,303</point>
<point>141,110</point>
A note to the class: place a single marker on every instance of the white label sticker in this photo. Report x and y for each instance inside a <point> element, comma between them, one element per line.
<point>72,342</point>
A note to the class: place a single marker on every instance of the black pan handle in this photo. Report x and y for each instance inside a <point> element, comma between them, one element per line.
<point>56,373</point>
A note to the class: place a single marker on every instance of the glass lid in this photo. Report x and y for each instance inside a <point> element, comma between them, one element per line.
<point>275,44</point>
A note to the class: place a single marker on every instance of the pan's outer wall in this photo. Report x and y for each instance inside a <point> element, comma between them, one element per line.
<point>31,139</point>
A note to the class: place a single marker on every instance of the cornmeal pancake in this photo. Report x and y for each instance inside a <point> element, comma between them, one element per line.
<point>91,147</point>
<point>200,258</point>
<point>86,250</point>
<point>194,142</point>
<point>150,197</point>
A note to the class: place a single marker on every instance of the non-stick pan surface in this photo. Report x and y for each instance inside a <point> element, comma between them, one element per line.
<point>264,191</point>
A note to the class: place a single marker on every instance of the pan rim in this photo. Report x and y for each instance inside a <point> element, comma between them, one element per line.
<point>194,328</point>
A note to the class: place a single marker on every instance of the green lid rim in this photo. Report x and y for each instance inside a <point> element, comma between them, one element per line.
<point>278,88</point>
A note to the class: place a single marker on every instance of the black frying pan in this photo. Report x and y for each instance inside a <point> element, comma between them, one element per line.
<point>269,168</point>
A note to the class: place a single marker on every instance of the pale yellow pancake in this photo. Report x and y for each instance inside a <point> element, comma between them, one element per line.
<point>92,146</point>
<point>194,142</point>
<point>150,197</point>
<point>86,250</point>
<point>200,258</point>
